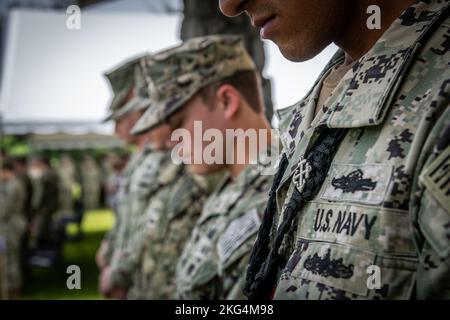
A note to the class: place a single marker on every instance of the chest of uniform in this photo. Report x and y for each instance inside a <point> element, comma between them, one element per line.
<point>218,238</point>
<point>373,165</point>
<point>144,179</point>
<point>359,218</point>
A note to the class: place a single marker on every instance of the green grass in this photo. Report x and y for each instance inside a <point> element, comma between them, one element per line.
<point>50,283</point>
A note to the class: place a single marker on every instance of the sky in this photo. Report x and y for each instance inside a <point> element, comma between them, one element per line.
<point>53,73</point>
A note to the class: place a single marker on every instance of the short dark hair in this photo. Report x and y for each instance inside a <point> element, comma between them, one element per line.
<point>248,83</point>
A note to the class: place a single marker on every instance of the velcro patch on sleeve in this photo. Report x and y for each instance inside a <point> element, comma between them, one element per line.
<point>237,233</point>
<point>436,178</point>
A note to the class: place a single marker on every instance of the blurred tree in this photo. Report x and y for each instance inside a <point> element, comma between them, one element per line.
<point>14,145</point>
<point>204,17</point>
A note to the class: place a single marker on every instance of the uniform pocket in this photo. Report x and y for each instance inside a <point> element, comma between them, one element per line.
<point>322,270</point>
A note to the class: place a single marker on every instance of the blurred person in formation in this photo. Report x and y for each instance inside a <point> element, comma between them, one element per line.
<point>47,202</point>
<point>124,110</point>
<point>106,170</point>
<point>114,179</point>
<point>66,173</point>
<point>21,170</point>
<point>91,183</point>
<point>159,206</point>
<point>210,85</point>
<point>12,227</point>
<point>2,154</point>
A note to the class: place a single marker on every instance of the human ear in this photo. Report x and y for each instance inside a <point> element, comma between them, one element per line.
<point>229,100</point>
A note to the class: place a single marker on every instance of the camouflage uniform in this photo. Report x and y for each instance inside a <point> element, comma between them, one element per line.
<point>66,172</point>
<point>90,183</point>
<point>147,206</point>
<point>123,79</point>
<point>214,260</point>
<point>119,234</point>
<point>231,216</point>
<point>153,174</point>
<point>165,227</point>
<point>122,193</point>
<point>48,206</point>
<point>385,201</point>
<point>12,226</point>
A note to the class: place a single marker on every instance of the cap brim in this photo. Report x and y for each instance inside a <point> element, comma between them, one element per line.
<point>108,118</point>
<point>155,114</point>
<point>148,121</point>
<point>135,104</point>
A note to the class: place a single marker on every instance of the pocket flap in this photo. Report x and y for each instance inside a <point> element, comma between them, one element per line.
<point>334,265</point>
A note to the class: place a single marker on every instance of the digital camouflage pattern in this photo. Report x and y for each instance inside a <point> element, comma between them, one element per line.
<point>431,211</point>
<point>215,258</point>
<point>166,226</point>
<point>164,204</point>
<point>385,201</point>
<point>123,195</point>
<point>127,76</point>
<point>12,227</point>
<point>196,63</point>
<point>142,182</point>
<point>127,82</point>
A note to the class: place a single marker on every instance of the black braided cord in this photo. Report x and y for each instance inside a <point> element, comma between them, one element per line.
<point>265,262</point>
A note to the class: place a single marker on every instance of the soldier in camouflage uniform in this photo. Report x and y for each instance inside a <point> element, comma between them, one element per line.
<point>12,227</point>
<point>90,183</point>
<point>162,231</point>
<point>184,81</point>
<point>363,204</point>
<point>124,102</point>
<point>139,181</point>
<point>161,199</point>
<point>125,109</point>
<point>48,204</point>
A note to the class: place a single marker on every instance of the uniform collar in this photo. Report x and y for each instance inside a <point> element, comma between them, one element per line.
<point>231,189</point>
<point>371,85</point>
<point>367,90</point>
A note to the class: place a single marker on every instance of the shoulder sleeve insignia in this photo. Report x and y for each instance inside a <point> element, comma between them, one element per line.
<point>436,178</point>
<point>237,233</point>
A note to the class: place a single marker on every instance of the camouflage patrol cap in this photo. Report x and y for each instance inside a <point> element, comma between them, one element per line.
<point>177,74</point>
<point>127,79</point>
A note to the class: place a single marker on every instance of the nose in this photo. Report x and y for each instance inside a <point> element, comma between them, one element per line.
<point>232,8</point>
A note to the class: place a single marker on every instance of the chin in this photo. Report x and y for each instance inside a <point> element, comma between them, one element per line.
<point>299,51</point>
<point>296,56</point>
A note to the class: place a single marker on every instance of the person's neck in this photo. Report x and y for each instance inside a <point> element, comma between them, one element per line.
<point>358,39</point>
<point>141,143</point>
<point>260,123</point>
